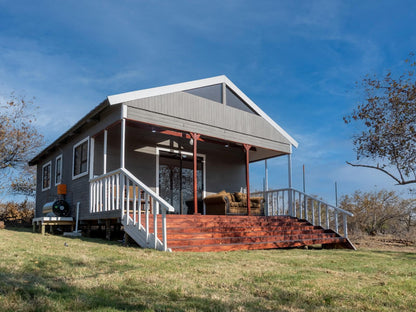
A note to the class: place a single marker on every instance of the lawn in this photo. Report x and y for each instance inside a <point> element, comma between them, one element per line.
<point>53,273</point>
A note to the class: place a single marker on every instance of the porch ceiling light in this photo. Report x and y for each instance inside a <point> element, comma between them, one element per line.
<point>227,145</point>
<point>153,130</point>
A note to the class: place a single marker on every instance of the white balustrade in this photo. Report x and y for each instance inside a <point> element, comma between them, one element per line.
<point>121,191</point>
<point>298,204</point>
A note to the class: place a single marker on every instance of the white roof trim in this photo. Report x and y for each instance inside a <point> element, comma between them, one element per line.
<point>140,94</point>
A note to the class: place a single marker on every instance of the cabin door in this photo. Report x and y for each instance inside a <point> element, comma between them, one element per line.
<point>176,180</point>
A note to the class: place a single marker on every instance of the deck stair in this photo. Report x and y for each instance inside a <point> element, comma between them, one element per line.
<point>226,233</point>
<point>293,219</point>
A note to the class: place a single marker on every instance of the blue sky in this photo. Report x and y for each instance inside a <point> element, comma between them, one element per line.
<point>297,60</point>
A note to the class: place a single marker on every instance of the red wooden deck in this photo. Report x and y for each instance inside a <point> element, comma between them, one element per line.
<point>225,233</point>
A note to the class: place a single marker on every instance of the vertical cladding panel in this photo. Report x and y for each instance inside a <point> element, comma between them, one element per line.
<point>177,123</point>
<point>188,108</point>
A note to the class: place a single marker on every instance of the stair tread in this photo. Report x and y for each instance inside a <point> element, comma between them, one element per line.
<point>221,233</point>
<point>259,244</point>
<point>243,240</point>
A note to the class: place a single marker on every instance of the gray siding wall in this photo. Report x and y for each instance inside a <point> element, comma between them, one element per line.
<point>78,189</point>
<point>192,113</point>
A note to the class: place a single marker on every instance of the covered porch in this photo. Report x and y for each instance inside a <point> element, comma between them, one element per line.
<point>181,167</point>
<point>143,172</point>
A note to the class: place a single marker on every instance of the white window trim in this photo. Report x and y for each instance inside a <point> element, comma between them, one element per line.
<point>56,168</point>
<point>73,156</point>
<point>49,163</point>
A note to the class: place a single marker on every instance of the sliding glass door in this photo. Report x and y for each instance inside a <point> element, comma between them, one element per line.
<point>176,180</point>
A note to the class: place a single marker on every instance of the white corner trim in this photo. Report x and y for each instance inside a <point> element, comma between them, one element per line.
<point>140,94</point>
<point>73,156</point>
<point>49,163</point>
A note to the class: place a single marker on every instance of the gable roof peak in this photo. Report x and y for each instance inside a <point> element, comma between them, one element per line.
<point>178,87</point>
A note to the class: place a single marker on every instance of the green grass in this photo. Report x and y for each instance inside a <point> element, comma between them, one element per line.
<point>39,273</point>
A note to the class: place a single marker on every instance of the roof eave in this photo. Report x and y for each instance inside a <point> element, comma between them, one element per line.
<point>69,132</point>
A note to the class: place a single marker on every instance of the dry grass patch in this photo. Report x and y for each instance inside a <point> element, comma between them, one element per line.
<point>39,273</point>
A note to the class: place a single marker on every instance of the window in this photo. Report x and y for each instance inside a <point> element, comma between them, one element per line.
<point>80,159</point>
<point>46,176</point>
<point>58,170</point>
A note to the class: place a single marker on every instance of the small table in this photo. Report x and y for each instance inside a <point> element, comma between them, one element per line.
<point>43,221</point>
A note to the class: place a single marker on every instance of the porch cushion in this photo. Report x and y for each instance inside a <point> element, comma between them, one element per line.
<point>233,203</point>
<point>239,196</point>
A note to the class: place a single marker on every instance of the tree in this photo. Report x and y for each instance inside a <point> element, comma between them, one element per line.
<point>25,182</point>
<point>379,212</point>
<point>388,115</point>
<point>19,139</point>
<point>14,212</point>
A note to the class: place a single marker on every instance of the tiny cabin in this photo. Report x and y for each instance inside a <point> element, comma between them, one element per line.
<point>161,161</point>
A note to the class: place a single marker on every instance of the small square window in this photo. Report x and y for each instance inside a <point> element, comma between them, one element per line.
<point>46,176</point>
<point>58,170</point>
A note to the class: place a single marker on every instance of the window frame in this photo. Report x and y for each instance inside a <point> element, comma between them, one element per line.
<point>56,169</point>
<point>74,176</point>
<point>49,163</point>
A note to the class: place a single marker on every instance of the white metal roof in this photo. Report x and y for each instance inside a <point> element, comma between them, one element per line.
<point>140,94</point>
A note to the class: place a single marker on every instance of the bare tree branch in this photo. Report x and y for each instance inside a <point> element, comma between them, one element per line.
<point>399,182</point>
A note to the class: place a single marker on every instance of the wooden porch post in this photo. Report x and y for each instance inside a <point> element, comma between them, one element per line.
<point>195,137</point>
<point>247,148</point>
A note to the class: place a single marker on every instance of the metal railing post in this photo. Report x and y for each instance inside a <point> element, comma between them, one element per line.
<point>327,217</point>
<point>319,214</point>
<point>344,216</point>
<point>313,210</point>
<point>306,208</point>
<point>336,221</point>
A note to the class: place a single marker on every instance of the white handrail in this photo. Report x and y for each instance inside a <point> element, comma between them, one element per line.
<point>120,190</point>
<point>289,201</point>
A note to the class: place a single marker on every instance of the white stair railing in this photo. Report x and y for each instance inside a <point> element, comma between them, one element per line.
<point>120,190</point>
<point>298,204</point>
